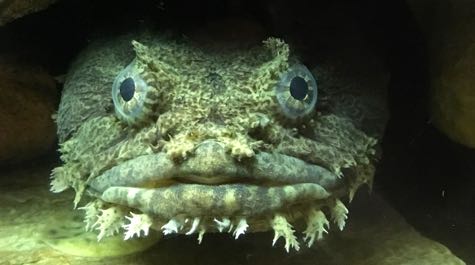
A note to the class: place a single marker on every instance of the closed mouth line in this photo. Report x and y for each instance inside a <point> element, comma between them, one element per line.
<point>212,167</point>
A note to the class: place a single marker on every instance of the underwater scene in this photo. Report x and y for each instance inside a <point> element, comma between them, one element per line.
<point>237,132</point>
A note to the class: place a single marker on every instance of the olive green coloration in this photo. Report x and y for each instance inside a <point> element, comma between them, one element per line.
<point>70,237</point>
<point>201,143</point>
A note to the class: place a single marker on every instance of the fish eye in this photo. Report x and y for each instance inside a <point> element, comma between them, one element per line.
<point>133,98</point>
<point>296,92</point>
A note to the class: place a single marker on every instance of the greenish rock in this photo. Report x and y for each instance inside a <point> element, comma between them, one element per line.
<point>69,237</point>
<point>13,9</point>
<point>29,99</point>
<point>449,28</point>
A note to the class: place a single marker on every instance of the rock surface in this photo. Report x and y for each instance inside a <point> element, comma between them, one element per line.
<point>28,99</point>
<point>375,234</point>
<point>13,9</point>
<point>449,27</point>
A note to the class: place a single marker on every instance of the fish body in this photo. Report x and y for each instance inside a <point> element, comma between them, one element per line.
<point>163,134</point>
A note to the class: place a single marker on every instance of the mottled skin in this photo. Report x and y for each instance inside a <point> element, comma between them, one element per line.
<point>213,142</point>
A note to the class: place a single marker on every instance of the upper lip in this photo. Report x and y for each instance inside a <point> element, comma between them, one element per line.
<point>211,160</point>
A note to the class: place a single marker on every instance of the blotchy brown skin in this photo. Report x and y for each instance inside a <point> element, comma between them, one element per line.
<point>215,152</point>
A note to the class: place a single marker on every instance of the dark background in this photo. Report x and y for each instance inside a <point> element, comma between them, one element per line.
<point>425,176</point>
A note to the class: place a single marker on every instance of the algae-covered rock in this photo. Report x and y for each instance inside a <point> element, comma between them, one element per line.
<point>13,9</point>
<point>28,99</point>
<point>449,27</point>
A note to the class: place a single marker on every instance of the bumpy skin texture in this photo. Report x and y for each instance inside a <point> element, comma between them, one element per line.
<point>216,154</point>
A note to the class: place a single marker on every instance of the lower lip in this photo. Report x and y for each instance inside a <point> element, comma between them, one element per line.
<point>225,200</point>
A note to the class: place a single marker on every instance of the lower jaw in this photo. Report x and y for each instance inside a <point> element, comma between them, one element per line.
<point>233,208</point>
<point>229,200</point>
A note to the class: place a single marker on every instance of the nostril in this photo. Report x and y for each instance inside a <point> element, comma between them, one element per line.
<point>258,134</point>
<point>209,156</point>
<point>209,147</point>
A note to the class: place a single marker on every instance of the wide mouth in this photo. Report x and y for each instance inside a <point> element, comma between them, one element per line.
<point>212,183</point>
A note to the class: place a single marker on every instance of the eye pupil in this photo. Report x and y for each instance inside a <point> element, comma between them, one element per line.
<point>298,88</point>
<point>127,89</point>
